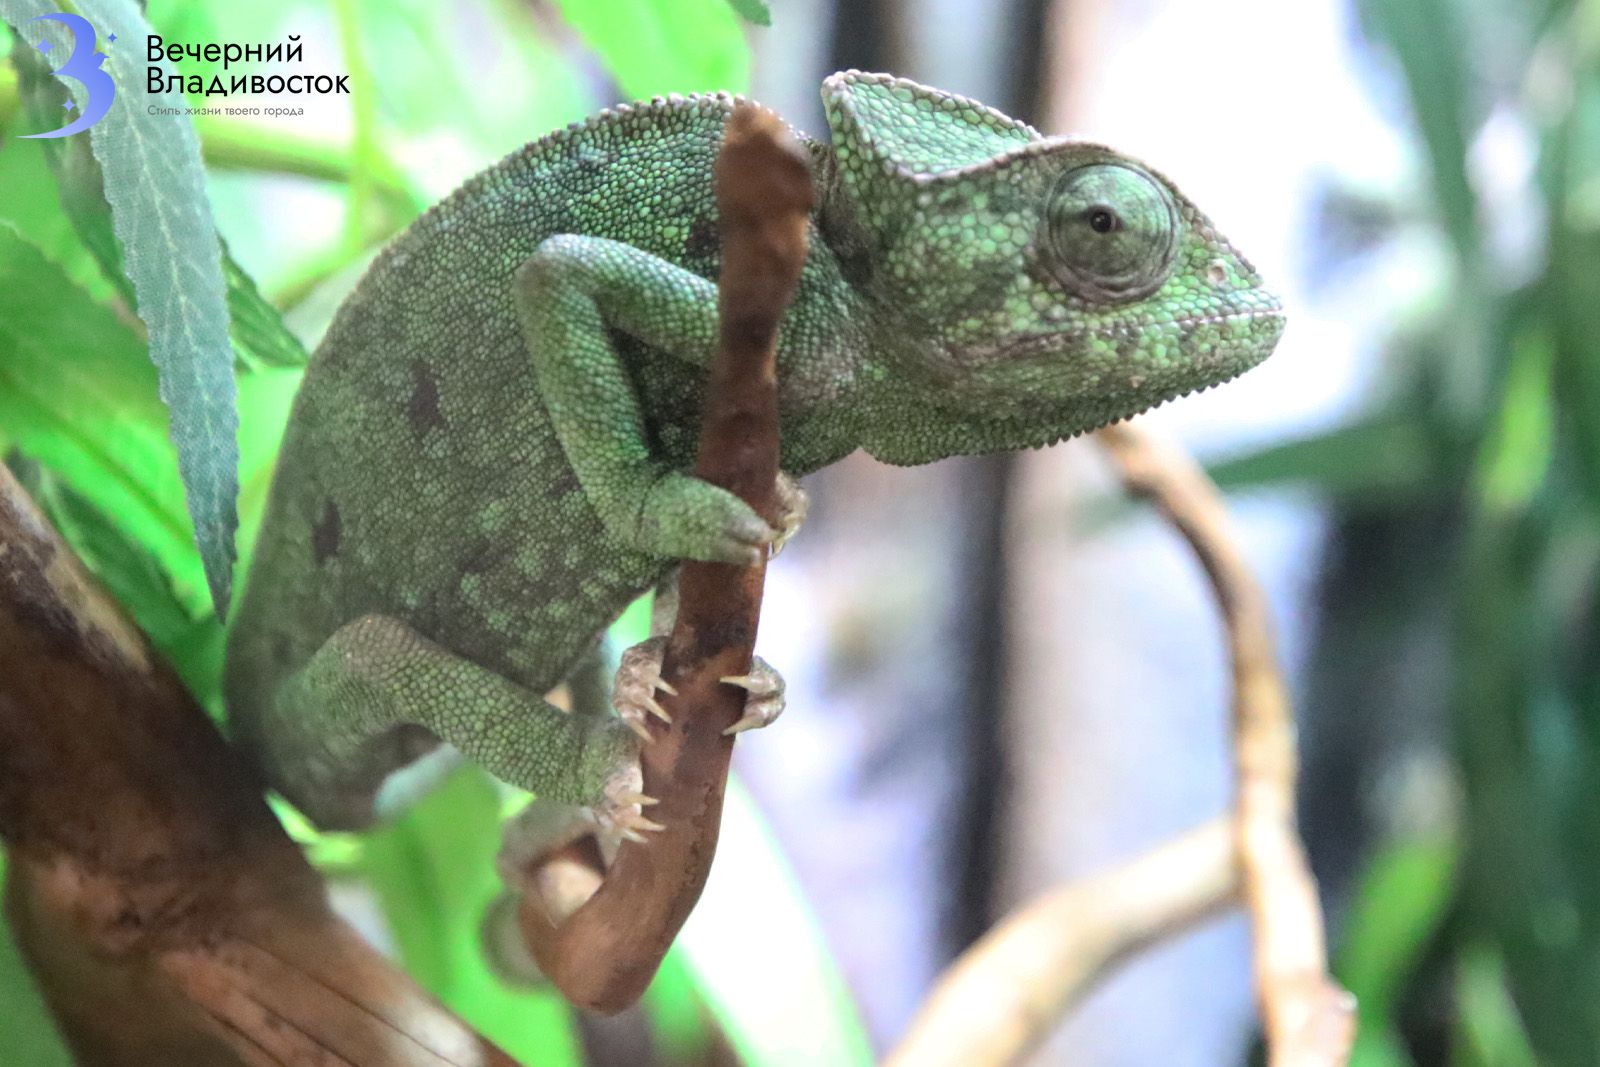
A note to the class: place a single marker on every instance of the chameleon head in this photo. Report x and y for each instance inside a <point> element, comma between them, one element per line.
<point>1032,288</point>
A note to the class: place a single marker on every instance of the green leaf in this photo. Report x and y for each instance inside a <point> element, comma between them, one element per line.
<point>78,394</point>
<point>1571,166</point>
<point>1489,1032</point>
<point>759,956</point>
<point>259,336</point>
<point>257,330</point>
<point>756,11</point>
<point>32,203</point>
<point>1403,897</point>
<point>155,184</point>
<point>434,874</point>
<point>654,47</point>
<point>1387,457</point>
<point>1428,39</point>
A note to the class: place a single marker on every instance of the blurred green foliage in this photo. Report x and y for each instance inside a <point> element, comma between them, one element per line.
<point>1486,925</point>
<point>303,205</point>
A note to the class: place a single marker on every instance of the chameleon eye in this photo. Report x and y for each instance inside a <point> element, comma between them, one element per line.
<point>1110,232</point>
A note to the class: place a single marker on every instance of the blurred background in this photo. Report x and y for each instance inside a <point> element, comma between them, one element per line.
<point>1000,676</point>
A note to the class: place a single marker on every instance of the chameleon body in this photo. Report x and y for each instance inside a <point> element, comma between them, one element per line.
<point>484,464</point>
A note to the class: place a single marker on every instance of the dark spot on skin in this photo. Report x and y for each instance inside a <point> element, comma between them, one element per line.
<point>592,161</point>
<point>477,555</point>
<point>704,242</point>
<point>327,533</point>
<point>562,484</point>
<point>856,269</point>
<point>422,410</point>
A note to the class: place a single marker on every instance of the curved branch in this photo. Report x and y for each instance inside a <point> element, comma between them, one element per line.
<point>1309,1021</point>
<point>1005,993</point>
<point>604,954</point>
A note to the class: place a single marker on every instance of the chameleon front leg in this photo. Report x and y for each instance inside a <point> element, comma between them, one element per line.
<point>570,293</point>
<point>377,693</point>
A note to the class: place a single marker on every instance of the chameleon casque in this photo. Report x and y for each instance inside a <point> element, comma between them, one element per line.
<point>486,460</point>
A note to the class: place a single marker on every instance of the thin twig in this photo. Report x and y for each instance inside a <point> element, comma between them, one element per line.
<point>1007,991</point>
<point>604,954</point>
<point>1309,1021</point>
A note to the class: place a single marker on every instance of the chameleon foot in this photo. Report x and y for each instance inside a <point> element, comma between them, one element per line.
<point>638,681</point>
<point>792,505</point>
<point>620,814</point>
<point>765,702</point>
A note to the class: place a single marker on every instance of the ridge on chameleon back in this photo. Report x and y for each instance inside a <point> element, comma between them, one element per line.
<point>487,460</point>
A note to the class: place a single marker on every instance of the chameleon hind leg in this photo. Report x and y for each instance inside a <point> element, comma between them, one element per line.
<point>377,694</point>
<point>545,825</point>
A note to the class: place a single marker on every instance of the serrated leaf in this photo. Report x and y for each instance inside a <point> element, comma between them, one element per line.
<point>78,394</point>
<point>259,336</point>
<point>256,328</point>
<point>756,11</point>
<point>155,184</point>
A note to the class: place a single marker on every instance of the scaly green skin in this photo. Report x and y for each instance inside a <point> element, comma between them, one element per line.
<point>483,465</point>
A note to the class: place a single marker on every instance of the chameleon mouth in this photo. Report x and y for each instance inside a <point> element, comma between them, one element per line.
<point>1239,340</point>
<point>1136,335</point>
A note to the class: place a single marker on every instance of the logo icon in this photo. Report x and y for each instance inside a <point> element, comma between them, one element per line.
<point>83,67</point>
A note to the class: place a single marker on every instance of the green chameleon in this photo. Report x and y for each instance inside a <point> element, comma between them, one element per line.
<point>486,461</point>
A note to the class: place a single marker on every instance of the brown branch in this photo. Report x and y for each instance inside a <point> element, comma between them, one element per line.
<point>604,954</point>
<point>165,914</point>
<point>1309,1020</point>
<point>1006,992</point>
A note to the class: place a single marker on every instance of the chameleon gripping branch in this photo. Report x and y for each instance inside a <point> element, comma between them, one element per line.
<point>605,953</point>
<point>163,911</point>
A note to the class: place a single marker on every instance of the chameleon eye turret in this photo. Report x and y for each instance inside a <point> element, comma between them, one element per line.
<point>1111,231</point>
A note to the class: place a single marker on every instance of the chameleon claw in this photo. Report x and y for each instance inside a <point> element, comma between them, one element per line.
<point>636,798</point>
<point>633,826</point>
<point>765,700</point>
<point>638,727</point>
<point>653,705</point>
<point>665,686</point>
